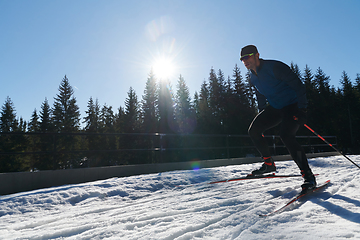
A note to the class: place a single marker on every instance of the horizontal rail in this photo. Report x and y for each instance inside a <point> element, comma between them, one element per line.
<point>159,148</point>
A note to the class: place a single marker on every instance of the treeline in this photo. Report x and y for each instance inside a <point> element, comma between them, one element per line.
<point>224,105</point>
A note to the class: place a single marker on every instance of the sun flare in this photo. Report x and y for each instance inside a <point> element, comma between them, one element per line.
<point>163,68</point>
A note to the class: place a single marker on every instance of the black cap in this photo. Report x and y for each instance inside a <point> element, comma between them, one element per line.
<point>248,49</point>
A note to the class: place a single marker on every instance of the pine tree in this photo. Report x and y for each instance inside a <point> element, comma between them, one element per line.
<point>308,78</point>
<point>216,100</point>
<point>185,118</point>
<point>347,87</point>
<point>34,124</point>
<point>47,142</point>
<point>149,116</point>
<point>228,107</point>
<point>132,116</point>
<point>131,125</point>
<point>8,121</point>
<point>9,143</point>
<point>122,140</point>
<point>108,142</point>
<point>356,114</point>
<point>321,82</point>
<point>348,111</point>
<point>22,125</point>
<point>240,89</point>
<point>322,108</point>
<point>184,112</point>
<point>119,120</point>
<point>165,107</point>
<point>46,124</point>
<point>204,114</point>
<point>250,93</point>
<point>66,119</point>
<point>311,93</point>
<point>241,110</point>
<point>66,115</point>
<point>223,117</point>
<point>107,119</point>
<point>92,120</point>
<point>195,103</point>
<point>94,142</point>
<point>34,140</point>
<point>295,68</point>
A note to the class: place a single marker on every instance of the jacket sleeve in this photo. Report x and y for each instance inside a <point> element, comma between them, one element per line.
<point>284,73</point>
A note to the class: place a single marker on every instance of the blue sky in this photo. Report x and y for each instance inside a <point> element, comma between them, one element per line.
<point>105,47</point>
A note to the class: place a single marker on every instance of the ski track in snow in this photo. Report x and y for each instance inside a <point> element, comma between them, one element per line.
<point>154,206</point>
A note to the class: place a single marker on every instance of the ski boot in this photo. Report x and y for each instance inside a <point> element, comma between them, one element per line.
<point>309,181</point>
<point>267,167</point>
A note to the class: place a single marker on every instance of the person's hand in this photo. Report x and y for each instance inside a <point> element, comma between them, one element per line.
<point>301,116</point>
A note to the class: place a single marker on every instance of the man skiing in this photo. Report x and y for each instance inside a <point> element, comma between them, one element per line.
<point>281,100</point>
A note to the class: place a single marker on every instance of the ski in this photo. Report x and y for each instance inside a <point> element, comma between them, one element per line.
<point>249,177</point>
<point>296,198</point>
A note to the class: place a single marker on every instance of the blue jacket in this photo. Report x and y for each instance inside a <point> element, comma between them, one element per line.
<point>277,84</point>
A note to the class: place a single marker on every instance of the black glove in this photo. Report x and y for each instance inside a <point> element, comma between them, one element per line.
<point>301,116</point>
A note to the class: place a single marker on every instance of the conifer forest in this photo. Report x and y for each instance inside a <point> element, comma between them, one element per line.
<point>166,124</point>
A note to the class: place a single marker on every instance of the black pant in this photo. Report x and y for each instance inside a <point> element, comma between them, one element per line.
<point>271,117</point>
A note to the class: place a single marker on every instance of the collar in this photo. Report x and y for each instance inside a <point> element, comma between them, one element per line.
<point>259,67</point>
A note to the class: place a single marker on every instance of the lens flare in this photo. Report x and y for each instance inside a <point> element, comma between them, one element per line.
<point>159,27</point>
<point>195,165</point>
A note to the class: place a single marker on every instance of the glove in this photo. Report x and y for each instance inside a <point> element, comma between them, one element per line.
<point>301,116</point>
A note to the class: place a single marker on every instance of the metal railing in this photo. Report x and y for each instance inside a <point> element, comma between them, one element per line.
<point>161,142</point>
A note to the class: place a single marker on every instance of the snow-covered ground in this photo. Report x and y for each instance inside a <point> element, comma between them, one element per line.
<point>154,206</point>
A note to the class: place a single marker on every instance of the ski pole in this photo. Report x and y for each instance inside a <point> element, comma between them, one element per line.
<point>330,145</point>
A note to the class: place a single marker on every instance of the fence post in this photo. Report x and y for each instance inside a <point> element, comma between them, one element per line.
<point>54,152</point>
<point>161,148</point>
<point>274,144</point>
<point>311,147</point>
<point>227,146</point>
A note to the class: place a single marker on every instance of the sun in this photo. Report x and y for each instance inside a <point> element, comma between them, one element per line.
<point>163,68</point>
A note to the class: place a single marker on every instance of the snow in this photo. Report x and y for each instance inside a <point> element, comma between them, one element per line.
<point>154,206</point>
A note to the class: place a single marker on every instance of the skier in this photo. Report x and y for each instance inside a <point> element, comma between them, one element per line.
<point>281,100</point>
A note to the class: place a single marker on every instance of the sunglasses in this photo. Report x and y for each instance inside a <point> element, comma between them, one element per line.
<point>246,56</point>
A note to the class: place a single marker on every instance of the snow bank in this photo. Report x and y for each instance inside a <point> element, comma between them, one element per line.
<point>155,207</point>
